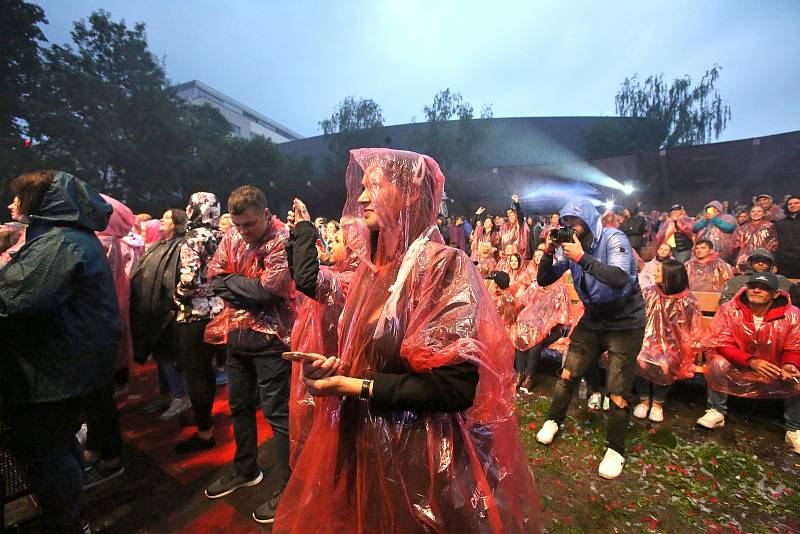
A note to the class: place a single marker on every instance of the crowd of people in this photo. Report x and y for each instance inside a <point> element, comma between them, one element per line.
<point>386,349</point>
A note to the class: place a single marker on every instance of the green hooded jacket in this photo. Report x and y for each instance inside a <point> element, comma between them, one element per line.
<point>59,320</point>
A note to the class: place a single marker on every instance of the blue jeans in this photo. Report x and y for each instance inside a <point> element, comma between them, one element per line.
<point>791,408</point>
<point>643,389</point>
<point>173,376</point>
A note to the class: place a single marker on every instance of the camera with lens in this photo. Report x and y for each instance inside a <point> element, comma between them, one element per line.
<point>562,234</point>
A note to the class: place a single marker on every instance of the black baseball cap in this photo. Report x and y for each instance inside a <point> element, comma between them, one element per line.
<point>676,207</point>
<point>765,278</point>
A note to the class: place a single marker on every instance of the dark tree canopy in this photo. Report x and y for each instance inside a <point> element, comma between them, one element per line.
<point>690,114</point>
<point>351,114</point>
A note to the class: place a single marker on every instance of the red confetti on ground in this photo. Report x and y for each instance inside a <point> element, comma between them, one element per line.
<point>651,522</point>
<point>532,426</point>
<point>713,461</point>
<point>713,500</point>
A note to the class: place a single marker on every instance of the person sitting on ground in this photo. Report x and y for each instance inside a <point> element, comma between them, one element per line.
<point>758,233</point>
<point>671,340</point>
<point>707,271</point>
<point>753,351</point>
<point>648,272</point>
<point>717,227</point>
<point>760,260</point>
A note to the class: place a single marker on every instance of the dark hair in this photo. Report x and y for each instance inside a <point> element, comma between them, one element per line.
<point>519,260</point>
<point>786,200</point>
<point>674,277</point>
<point>706,241</point>
<point>30,187</point>
<point>246,197</point>
<point>180,220</point>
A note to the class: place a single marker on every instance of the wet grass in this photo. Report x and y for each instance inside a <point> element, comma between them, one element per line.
<point>675,479</point>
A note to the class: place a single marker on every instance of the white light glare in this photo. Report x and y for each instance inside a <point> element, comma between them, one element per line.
<point>627,188</point>
<point>609,204</point>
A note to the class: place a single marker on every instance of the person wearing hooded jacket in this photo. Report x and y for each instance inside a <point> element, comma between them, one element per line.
<point>717,227</point>
<point>603,269</point>
<point>196,306</point>
<point>60,326</point>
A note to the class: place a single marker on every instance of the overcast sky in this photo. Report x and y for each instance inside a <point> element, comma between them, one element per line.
<point>294,61</point>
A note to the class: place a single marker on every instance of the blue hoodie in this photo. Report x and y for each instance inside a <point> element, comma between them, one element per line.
<point>606,276</point>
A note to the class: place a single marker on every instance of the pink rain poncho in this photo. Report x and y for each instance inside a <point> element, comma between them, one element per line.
<point>120,257</point>
<point>647,273</point>
<point>723,242</point>
<point>265,260</point>
<point>315,330</point>
<point>708,274</point>
<point>671,337</point>
<point>666,234</point>
<point>732,339</point>
<point>753,235</point>
<point>152,232</point>
<point>542,309</point>
<point>413,305</point>
<point>515,234</point>
<point>480,236</point>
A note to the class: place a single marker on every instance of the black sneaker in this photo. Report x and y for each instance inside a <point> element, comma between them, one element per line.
<point>230,483</point>
<point>266,512</point>
<point>100,473</point>
<point>194,444</point>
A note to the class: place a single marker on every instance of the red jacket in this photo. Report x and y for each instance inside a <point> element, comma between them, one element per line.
<point>733,334</point>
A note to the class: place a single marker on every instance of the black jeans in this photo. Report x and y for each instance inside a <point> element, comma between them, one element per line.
<point>586,346</point>
<point>43,440</point>
<point>195,357</point>
<point>103,434</point>
<point>526,361</point>
<point>268,376</point>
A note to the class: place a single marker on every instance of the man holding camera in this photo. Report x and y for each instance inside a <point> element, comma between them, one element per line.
<point>605,277</point>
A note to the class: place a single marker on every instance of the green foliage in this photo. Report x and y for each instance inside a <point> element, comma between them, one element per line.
<point>102,108</point>
<point>451,145</point>
<point>690,114</point>
<point>19,67</point>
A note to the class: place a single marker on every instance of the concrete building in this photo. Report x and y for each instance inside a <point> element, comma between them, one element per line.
<point>245,121</point>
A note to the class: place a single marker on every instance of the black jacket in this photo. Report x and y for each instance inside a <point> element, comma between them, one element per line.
<point>789,238</point>
<point>59,319</point>
<point>634,227</point>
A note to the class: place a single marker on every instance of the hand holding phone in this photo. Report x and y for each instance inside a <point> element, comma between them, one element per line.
<point>294,356</point>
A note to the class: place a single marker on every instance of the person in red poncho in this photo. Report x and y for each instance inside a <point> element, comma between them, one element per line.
<point>758,233</point>
<point>707,271</point>
<point>416,428</point>
<point>671,339</point>
<point>484,232</point>
<point>515,230</point>
<point>753,351</point>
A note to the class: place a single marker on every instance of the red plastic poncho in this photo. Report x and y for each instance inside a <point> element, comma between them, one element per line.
<point>671,337</point>
<point>265,260</point>
<point>542,309</point>
<point>152,232</point>
<point>367,469</point>
<point>724,243</point>
<point>708,274</point>
<point>753,235</point>
<point>457,236</point>
<point>315,330</point>
<point>647,274</point>
<point>666,234</point>
<point>120,258</point>
<point>486,264</point>
<point>515,234</point>
<point>732,339</point>
<point>480,236</point>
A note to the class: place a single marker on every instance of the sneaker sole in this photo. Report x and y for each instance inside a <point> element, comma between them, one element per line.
<point>103,481</point>
<point>253,482</point>
<point>609,477</point>
<point>789,443</point>
<point>263,521</point>
<point>712,427</point>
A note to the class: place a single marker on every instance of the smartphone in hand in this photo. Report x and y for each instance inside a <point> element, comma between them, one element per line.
<point>302,356</point>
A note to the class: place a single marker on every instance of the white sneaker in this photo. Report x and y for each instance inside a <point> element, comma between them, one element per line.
<point>640,411</point>
<point>176,407</point>
<point>611,466</point>
<point>595,402</point>
<point>793,439</point>
<point>547,433</point>
<point>712,419</point>
<point>606,404</point>
<point>656,413</point>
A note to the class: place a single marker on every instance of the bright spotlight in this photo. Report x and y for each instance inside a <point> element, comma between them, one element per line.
<point>627,188</point>
<point>609,204</point>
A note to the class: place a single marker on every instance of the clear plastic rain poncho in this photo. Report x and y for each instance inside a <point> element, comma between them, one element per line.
<point>723,242</point>
<point>481,236</point>
<point>753,235</point>
<point>266,261</point>
<point>315,330</point>
<point>708,274</point>
<point>671,337</point>
<point>413,305</point>
<point>515,234</point>
<point>120,257</point>
<point>732,339</point>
